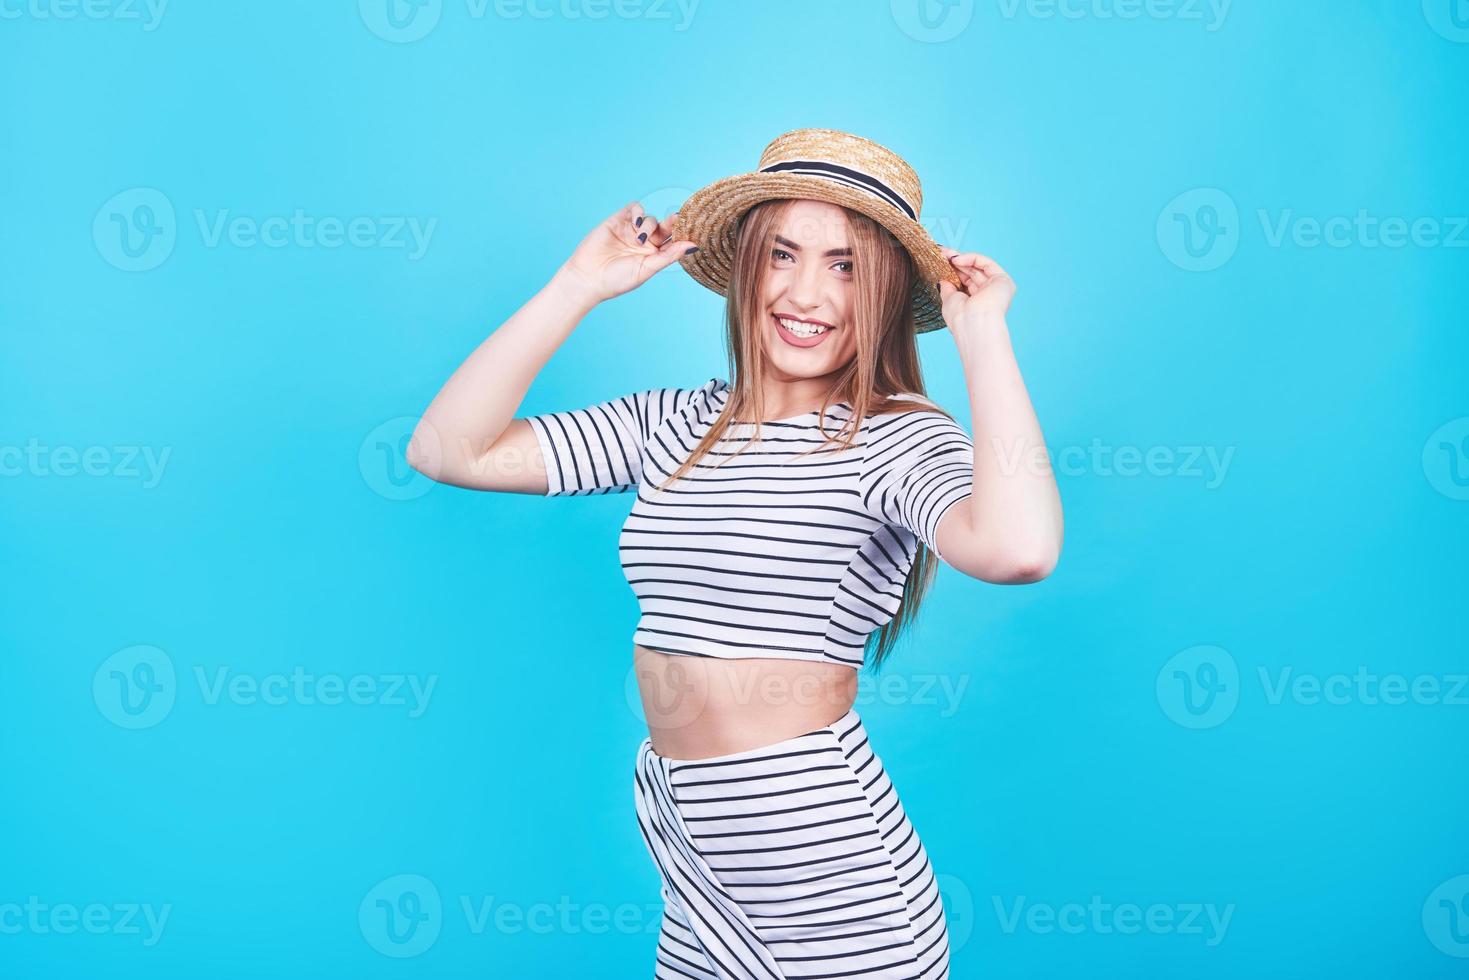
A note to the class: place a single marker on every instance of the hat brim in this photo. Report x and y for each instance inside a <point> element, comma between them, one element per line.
<point>710,215</point>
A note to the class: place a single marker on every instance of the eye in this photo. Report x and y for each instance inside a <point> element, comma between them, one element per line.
<point>776,253</point>
<point>848,265</point>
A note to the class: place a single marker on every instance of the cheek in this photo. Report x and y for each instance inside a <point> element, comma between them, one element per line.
<point>775,285</point>
<point>842,307</point>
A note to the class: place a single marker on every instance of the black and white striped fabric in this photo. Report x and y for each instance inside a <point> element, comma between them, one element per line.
<point>768,553</point>
<point>847,177</point>
<point>791,860</point>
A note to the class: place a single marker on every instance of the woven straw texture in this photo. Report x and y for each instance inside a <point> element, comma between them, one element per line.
<point>710,215</point>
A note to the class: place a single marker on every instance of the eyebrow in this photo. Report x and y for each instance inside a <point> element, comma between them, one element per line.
<point>796,248</point>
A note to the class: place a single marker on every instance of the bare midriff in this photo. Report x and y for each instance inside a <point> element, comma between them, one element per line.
<point>699,707</point>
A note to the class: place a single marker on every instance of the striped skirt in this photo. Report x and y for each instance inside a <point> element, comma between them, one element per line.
<point>791,860</point>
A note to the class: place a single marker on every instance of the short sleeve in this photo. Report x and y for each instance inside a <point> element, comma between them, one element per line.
<point>916,466</point>
<point>599,449</point>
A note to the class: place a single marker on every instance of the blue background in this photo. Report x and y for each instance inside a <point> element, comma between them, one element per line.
<point>1097,156</point>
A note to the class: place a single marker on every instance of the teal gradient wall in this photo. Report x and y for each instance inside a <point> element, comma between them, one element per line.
<point>273,705</point>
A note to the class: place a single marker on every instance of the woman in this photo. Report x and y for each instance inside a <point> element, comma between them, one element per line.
<point>780,537</point>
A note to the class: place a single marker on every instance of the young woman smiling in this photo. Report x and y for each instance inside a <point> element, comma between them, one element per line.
<point>785,528</point>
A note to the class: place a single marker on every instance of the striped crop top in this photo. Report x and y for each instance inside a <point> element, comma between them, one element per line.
<point>765,554</point>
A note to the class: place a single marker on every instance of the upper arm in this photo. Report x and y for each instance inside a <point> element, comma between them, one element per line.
<point>599,448</point>
<point>916,467</point>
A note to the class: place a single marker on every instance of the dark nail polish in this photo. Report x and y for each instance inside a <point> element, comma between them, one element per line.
<point>638,223</point>
<point>691,251</point>
<point>643,237</point>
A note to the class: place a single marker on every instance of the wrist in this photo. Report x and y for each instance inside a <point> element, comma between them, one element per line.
<point>978,331</point>
<point>572,287</point>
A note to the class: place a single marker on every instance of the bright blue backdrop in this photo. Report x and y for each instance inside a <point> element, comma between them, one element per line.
<point>221,584</point>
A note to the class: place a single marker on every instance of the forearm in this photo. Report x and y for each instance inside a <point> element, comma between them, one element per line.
<point>1015,510</point>
<point>481,397</point>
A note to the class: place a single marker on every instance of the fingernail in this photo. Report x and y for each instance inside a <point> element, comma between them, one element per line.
<point>691,251</point>
<point>643,237</point>
<point>638,223</point>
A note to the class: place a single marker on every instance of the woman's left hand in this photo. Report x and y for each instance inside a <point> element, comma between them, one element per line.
<point>986,293</point>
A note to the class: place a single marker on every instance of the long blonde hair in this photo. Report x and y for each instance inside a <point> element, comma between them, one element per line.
<point>885,367</point>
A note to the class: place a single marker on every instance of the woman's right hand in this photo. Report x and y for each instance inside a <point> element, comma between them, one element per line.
<point>623,252</point>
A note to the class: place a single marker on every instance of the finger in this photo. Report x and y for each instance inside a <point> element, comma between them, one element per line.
<point>670,252</point>
<point>653,232</point>
<point>624,224</point>
<point>663,231</point>
<point>970,277</point>
<point>966,267</point>
<point>989,265</point>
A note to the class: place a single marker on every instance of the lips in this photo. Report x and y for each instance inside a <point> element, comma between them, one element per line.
<point>797,340</point>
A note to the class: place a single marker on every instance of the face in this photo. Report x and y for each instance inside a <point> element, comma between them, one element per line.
<point>808,292</point>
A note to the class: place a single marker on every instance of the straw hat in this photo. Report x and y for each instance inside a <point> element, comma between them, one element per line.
<point>825,165</point>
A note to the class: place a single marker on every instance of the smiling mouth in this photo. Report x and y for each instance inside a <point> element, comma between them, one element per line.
<point>803,327</point>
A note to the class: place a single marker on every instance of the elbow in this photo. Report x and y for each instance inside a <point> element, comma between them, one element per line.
<point>1027,567</point>
<point>421,453</point>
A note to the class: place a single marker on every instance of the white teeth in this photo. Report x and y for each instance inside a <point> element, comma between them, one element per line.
<point>801,329</point>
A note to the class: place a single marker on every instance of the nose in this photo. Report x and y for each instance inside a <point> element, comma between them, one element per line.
<point>805,291</point>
